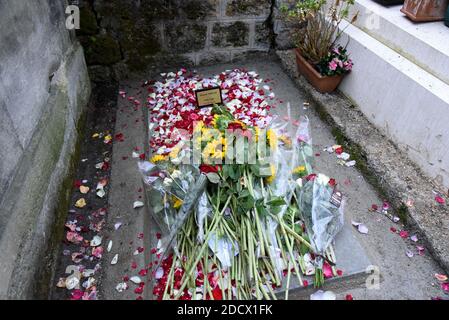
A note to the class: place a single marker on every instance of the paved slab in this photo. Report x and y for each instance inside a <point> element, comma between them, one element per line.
<point>403,277</point>
<point>126,187</point>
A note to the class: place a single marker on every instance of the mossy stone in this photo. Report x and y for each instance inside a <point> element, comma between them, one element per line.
<point>198,9</point>
<point>88,22</point>
<point>230,34</point>
<point>102,50</point>
<point>186,37</point>
<point>248,7</point>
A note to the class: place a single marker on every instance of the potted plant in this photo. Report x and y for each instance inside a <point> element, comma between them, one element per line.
<point>425,10</point>
<point>315,31</point>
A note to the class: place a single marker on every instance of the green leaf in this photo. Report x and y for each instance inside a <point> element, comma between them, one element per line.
<point>213,177</point>
<point>276,202</point>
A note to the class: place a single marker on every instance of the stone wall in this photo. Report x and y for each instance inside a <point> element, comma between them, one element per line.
<point>44,87</point>
<point>129,35</point>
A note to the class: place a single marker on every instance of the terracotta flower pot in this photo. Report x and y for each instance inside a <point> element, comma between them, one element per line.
<point>389,2</point>
<point>323,84</point>
<point>425,10</point>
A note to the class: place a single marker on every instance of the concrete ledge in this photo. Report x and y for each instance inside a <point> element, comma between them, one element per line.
<point>404,101</point>
<point>389,169</point>
<point>425,44</point>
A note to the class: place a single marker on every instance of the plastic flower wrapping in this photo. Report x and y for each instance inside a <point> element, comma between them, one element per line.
<point>232,190</point>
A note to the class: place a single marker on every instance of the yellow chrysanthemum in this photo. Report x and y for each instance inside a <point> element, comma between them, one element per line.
<point>174,152</point>
<point>198,126</point>
<point>272,139</point>
<point>257,129</point>
<point>299,170</point>
<point>211,148</point>
<point>214,120</point>
<point>224,144</point>
<point>177,203</point>
<point>286,140</point>
<point>271,178</point>
<point>158,158</point>
<point>206,134</point>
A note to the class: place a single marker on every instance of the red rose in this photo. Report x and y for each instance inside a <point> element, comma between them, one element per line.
<point>235,125</point>
<point>205,168</point>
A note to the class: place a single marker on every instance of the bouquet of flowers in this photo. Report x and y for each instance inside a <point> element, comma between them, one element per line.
<point>222,183</point>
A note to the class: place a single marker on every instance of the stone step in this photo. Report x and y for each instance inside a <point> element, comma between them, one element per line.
<point>408,104</point>
<point>425,44</point>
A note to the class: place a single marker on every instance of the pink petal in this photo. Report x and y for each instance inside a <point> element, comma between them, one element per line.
<point>439,199</point>
<point>327,270</point>
<point>403,234</point>
<point>440,277</point>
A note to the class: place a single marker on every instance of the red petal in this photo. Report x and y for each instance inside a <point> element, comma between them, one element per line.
<point>439,199</point>
<point>138,290</point>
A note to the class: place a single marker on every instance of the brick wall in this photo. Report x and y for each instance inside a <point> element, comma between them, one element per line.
<point>128,35</point>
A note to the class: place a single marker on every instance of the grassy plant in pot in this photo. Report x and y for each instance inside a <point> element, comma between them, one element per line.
<point>315,31</point>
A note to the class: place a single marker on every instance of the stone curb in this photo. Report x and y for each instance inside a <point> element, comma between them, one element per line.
<point>386,167</point>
